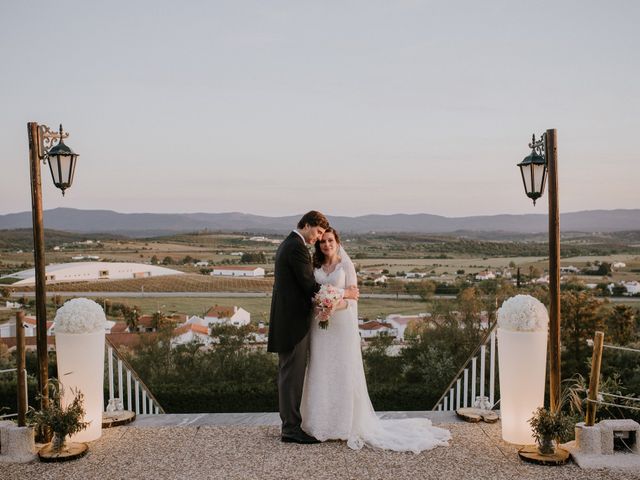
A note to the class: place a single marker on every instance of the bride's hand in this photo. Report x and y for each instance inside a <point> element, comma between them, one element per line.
<point>351,293</point>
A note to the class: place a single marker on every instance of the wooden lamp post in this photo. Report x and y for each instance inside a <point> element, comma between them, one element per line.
<point>62,163</point>
<point>535,168</point>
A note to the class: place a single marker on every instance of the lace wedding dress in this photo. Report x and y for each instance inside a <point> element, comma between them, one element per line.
<point>335,400</point>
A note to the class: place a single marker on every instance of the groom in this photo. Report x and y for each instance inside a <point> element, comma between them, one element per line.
<point>291,310</point>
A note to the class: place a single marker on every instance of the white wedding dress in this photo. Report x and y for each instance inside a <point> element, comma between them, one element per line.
<point>335,401</point>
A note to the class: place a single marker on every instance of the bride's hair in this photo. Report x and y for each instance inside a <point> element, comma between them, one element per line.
<point>318,256</point>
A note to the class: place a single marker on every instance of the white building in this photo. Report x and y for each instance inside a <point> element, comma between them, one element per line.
<point>237,271</point>
<point>203,263</point>
<point>569,269</point>
<point>374,328</point>
<point>221,315</point>
<point>618,265</point>
<point>191,332</point>
<point>633,288</point>
<point>415,275</point>
<point>401,322</point>
<point>29,324</point>
<point>83,271</point>
<point>485,275</point>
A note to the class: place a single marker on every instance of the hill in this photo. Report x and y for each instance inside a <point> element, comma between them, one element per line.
<point>155,224</point>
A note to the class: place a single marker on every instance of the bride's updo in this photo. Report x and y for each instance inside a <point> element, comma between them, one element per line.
<point>318,256</point>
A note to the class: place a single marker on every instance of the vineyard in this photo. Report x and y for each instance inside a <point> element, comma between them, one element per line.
<point>166,283</point>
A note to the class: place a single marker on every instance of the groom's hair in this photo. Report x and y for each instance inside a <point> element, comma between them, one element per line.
<point>313,219</point>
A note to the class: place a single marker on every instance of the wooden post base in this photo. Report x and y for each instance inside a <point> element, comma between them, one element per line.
<point>71,451</point>
<point>529,453</point>
<point>115,419</point>
<point>474,415</point>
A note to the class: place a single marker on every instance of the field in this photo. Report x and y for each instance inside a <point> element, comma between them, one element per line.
<point>166,283</point>
<point>259,307</point>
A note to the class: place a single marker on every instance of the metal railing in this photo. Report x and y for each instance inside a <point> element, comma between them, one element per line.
<point>461,392</point>
<point>128,384</point>
<point>26,390</point>
<point>598,394</point>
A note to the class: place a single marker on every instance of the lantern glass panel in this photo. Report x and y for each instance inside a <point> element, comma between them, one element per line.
<point>526,177</point>
<point>538,174</point>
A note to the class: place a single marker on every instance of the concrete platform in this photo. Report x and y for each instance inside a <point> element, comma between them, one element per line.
<point>270,418</point>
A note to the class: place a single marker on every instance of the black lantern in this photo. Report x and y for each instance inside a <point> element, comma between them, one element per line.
<point>62,163</point>
<point>534,170</point>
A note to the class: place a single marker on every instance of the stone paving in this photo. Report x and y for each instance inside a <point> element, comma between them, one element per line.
<point>207,448</point>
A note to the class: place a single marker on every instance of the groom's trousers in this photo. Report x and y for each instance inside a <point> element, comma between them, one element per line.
<point>291,370</point>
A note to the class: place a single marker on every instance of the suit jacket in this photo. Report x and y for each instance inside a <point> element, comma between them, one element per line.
<point>292,300</point>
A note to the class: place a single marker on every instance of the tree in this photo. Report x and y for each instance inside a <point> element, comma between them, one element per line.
<point>154,260</point>
<point>395,286</point>
<point>131,317</point>
<point>621,325</point>
<point>604,269</point>
<point>534,272</point>
<point>380,368</point>
<point>581,315</point>
<point>424,288</point>
<point>257,257</point>
<point>167,260</point>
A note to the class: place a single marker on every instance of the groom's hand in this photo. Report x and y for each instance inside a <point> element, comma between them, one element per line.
<point>351,293</point>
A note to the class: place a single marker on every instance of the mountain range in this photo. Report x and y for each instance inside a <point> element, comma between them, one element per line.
<point>153,224</point>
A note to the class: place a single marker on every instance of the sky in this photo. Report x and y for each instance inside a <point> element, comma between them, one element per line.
<point>348,107</point>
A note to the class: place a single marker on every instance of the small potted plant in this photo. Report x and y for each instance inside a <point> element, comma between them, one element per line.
<point>61,422</point>
<point>548,428</point>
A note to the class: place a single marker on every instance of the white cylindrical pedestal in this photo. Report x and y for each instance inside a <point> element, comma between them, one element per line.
<point>81,366</point>
<point>522,360</point>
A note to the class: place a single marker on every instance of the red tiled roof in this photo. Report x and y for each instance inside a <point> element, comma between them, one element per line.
<point>220,311</point>
<point>129,339</point>
<point>32,321</point>
<point>145,321</point>
<point>29,342</point>
<point>374,325</point>
<point>194,327</point>
<point>119,327</point>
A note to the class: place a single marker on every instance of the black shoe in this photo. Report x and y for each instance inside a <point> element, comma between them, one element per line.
<point>299,437</point>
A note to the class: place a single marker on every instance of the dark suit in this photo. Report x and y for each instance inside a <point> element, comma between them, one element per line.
<point>291,310</point>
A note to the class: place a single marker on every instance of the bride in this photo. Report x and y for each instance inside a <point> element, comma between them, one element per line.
<point>335,400</point>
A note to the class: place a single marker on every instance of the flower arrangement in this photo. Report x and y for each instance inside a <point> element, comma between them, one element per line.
<point>60,420</point>
<point>80,315</point>
<point>549,427</point>
<point>326,301</point>
<point>523,313</point>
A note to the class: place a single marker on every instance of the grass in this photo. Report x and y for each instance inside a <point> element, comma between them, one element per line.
<point>165,283</point>
<point>260,307</point>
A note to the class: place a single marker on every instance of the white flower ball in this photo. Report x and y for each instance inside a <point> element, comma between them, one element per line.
<point>80,315</point>
<point>523,313</point>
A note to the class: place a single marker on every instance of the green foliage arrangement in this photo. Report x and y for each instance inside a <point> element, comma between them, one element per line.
<point>60,421</point>
<point>547,424</point>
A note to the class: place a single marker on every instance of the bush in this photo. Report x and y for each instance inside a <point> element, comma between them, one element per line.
<point>232,397</point>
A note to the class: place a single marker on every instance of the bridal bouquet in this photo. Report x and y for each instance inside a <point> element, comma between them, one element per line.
<point>326,301</point>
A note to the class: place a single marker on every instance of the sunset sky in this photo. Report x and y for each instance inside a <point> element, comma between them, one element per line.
<point>349,107</point>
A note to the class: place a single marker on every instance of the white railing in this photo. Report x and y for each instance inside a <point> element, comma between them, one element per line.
<point>133,394</point>
<point>26,390</point>
<point>461,392</point>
